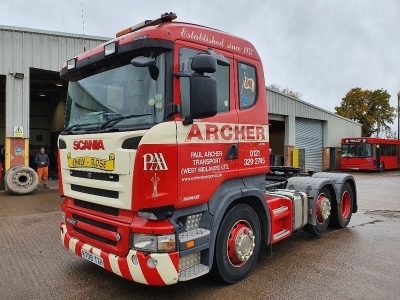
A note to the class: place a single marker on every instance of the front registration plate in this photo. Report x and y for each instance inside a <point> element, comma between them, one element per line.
<point>92,257</point>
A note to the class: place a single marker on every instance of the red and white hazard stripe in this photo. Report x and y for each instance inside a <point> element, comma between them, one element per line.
<point>164,272</point>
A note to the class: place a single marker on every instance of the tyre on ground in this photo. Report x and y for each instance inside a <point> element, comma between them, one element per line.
<point>21,180</point>
<point>342,212</point>
<point>237,244</point>
<point>323,213</point>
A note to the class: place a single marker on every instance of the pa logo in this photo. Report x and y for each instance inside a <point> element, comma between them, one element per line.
<point>154,162</point>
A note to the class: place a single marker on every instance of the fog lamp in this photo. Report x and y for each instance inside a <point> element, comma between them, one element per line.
<point>152,262</point>
<point>135,260</point>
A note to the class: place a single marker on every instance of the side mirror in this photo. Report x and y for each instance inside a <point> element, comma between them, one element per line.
<point>203,96</point>
<point>150,62</point>
<point>204,63</point>
<point>143,61</point>
<point>203,88</point>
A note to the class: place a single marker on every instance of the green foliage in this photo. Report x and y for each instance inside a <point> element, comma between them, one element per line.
<point>370,108</point>
<point>285,91</point>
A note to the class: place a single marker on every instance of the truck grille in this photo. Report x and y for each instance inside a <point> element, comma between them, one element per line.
<point>95,175</point>
<point>95,191</point>
<point>96,237</point>
<point>97,207</point>
<point>106,228</point>
<point>95,223</point>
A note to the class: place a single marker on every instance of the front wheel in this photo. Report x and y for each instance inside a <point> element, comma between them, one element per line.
<point>237,245</point>
<point>323,213</point>
<point>343,211</point>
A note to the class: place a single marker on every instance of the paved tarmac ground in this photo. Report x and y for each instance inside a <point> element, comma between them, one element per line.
<point>358,262</point>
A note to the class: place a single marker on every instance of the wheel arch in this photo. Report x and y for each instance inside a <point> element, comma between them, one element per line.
<point>339,180</point>
<point>311,186</point>
<point>219,206</point>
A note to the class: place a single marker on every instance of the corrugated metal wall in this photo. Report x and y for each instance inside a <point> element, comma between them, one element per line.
<point>22,49</point>
<point>309,136</point>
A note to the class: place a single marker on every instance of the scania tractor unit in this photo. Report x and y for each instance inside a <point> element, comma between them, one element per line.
<point>164,159</point>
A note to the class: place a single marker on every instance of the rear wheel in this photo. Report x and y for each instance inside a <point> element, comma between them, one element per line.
<point>343,211</point>
<point>323,213</point>
<point>237,245</point>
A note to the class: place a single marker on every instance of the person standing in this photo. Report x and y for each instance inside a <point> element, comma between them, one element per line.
<point>42,162</point>
<point>271,158</point>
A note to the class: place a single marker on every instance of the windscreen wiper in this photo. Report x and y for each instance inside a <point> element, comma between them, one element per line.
<point>68,129</point>
<point>117,119</point>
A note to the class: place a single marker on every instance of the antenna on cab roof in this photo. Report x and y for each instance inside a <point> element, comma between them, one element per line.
<point>167,17</point>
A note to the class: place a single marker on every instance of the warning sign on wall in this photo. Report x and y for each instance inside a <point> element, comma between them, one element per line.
<point>18,131</point>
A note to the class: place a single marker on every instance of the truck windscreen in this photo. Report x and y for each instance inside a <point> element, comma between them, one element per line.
<point>116,91</point>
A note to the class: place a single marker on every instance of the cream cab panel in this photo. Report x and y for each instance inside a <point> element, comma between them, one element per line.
<point>94,155</point>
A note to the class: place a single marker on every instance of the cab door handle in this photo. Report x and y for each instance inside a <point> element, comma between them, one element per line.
<point>232,152</point>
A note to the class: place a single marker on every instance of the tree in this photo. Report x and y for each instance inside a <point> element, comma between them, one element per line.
<point>389,134</point>
<point>370,108</point>
<point>285,91</point>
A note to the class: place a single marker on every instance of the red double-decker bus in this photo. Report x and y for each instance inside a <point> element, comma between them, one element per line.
<point>368,153</point>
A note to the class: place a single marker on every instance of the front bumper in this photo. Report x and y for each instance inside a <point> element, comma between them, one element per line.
<point>165,273</point>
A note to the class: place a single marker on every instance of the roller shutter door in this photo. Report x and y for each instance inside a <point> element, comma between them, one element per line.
<point>308,136</point>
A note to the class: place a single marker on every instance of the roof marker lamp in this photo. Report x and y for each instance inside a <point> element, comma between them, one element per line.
<point>71,64</point>
<point>110,48</point>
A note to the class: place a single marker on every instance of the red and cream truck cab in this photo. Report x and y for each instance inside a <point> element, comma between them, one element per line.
<point>163,160</point>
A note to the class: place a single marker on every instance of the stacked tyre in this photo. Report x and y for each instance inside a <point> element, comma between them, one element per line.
<point>21,180</point>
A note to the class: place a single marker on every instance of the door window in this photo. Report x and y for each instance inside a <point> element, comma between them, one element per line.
<point>247,85</point>
<point>222,75</point>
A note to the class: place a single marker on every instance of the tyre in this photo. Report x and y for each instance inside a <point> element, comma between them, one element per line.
<point>323,213</point>
<point>382,167</point>
<point>237,245</point>
<point>21,180</point>
<point>341,214</point>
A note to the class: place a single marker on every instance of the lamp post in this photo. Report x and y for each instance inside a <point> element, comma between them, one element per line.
<point>398,115</point>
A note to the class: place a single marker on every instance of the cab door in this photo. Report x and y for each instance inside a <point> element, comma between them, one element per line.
<point>253,131</point>
<point>207,149</point>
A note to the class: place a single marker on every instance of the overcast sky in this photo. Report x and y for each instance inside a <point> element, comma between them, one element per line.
<point>319,48</point>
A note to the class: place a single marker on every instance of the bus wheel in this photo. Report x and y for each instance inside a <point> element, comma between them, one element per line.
<point>382,167</point>
<point>341,214</point>
<point>323,213</point>
<point>21,180</point>
<point>237,245</point>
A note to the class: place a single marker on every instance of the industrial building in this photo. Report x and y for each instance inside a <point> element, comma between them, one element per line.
<point>32,105</point>
<point>298,125</point>
<point>32,95</point>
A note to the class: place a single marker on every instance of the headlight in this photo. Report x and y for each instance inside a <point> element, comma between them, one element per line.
<point>153,243</point>
<point>145,242</point>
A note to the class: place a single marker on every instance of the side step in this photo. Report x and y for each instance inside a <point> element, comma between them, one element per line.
<point>195,234</point>
<point>281,234</point>
<point>281,210</point>
<point>189,264</point>
<point>193,272</point>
